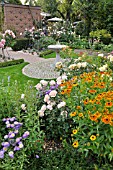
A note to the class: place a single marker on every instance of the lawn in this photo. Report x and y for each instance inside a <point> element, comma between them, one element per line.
<point>15,73</point>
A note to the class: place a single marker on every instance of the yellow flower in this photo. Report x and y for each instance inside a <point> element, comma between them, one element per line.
<point>93,137</point>
<point>75,144</point>
<point>88,144</point>
<point>73,114</point>
<point>75,131</point>
<point>80,115</point>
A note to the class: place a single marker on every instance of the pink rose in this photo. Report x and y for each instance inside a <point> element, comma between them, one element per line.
<point>53,93</point>
<point>46,98</point>
<point>1,45</point>
<point>3,41</point>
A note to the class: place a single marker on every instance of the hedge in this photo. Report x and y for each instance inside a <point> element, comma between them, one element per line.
<point>44,53</point>
<point>10,63</point>
<point>21,44</point>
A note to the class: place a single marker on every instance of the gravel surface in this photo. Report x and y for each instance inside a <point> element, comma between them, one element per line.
<point>42,69</point>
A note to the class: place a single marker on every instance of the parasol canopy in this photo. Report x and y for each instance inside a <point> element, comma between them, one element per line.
<point>55,19</point>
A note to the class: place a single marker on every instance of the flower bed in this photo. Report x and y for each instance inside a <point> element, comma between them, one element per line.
<point>74,111</point>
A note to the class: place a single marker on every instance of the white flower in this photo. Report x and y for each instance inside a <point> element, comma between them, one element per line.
<point>46,98</point>
<point>72,66</point>
<point>78,65</point>
<point>64,113</point>
<point>53,93</point>
<point>43,108</point>
<point>102,68</point>
<point>111,58</point>
<point>52,82</point>
<point>101,55</point>
<point>58,65</point>
<point>64,77</point>
<point>84,64</point>
<point>38,86</point>
<point>110,79</point>
<point>23,106</point>
<point>49,106</point>
<point>41,113</point>
<point>53,103</point>
<point>43,82</point>
<point>22,96</point>
<point>61,104</point>
<point>59,80</point>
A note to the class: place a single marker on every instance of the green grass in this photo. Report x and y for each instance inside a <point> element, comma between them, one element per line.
<point>15,73</point>
<point>52,55</point>
<point>62,54</point>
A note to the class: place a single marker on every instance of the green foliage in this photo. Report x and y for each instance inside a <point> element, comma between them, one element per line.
<point>68,159</point>
<point>10,63</point>
<point>43,43</point>
<point>20,44</point>
<point>13,104</point>
<point>15,73</point>
<point>44,53</point>
<point>101,35</point>
<point>80,43</point>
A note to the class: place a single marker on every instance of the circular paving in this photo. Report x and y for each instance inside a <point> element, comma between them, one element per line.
<point>43,69</point>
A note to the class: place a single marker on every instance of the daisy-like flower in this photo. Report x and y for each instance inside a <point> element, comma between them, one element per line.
<point>75,131</point>
<point>11,154</point>
<point>75,144</point>
<point>73,114</point>
<point>92,137</point>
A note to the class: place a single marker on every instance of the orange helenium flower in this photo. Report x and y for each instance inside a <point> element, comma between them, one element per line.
<point>108,104</point>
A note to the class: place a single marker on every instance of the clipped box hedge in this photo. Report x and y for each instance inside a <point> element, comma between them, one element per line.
<point>10,63</point>
<point>44,53</point>
<point>22,43</point>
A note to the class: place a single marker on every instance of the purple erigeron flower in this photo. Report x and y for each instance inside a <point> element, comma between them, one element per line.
<point>18,139</point>
<point>20,145</point>
<point>26,134</point>
<point>16,131</point>
<point>11,154</point>
<point>48,91</point>
<point>1,154</point>
<point>8,125</point>
<point>12,119</point>
<point>7,122</point>
<point>12,125</point>
<point>4,149</point>
<point>37,156</point>
<point>12,135</point>
<point>16,148</point>
<point>5,144</point>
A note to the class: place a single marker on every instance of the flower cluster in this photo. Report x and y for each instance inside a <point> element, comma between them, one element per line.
<point>50,94</point>
<point>14,141</point>
<point>9,33</point>
<point>2,43</point>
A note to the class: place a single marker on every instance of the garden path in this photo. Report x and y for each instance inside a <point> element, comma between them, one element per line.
<point>37,68</point>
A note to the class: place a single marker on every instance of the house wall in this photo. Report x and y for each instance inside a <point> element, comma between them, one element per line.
<point>19,17</point>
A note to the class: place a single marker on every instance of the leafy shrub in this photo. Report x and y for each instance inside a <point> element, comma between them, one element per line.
<point>80,44</point>
<point>21,44</point>
<point>43,43</point>
<point>10,63</point>
<point>101,35</point>
<point>43,53</point>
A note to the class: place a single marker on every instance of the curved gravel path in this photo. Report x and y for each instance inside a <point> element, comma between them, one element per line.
<point>43,69</point>
<point>38,68</point>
